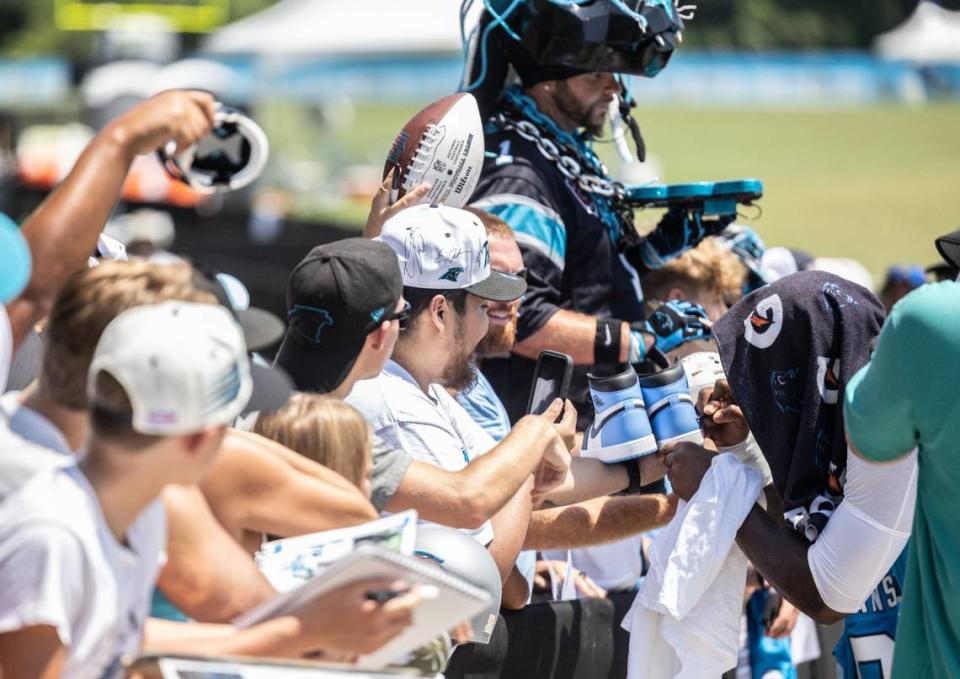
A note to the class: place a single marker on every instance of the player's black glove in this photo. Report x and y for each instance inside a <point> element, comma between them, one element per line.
<point>671,324</point>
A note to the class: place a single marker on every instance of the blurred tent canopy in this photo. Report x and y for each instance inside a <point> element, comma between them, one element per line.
<point>930,35</point>
<point>338,27</point>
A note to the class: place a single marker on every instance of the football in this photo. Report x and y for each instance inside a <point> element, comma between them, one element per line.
<point>441,145</point>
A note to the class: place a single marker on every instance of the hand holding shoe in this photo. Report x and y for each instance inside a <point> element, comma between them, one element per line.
<point>674,323</point>
<point>184,116</point>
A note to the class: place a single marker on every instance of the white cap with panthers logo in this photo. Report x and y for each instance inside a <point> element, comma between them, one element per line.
<point>445,248</point>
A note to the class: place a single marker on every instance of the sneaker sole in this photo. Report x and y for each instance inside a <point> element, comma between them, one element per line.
<point>623,451</point>
<point>696,436</point>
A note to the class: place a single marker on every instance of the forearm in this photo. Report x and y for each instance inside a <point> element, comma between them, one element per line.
<point>250,488</point>
<point>489,481</point>
<point>308,506</point>
<point>575,334</point>
<point>589,478</point>
<point>63,230</point>
<point>208,575</point>
<point>510,530</point>
<point>291,458</point>
<point>779,553</point>
<point>597,521</point>
<point>279,637</point>
<point>516,591</point>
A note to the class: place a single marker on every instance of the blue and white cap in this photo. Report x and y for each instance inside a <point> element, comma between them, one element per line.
<point>445,248</point>
<point>184,368</point>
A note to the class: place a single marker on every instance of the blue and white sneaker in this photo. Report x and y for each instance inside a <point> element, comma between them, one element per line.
<point>672,413</point>
<point>620,429</point>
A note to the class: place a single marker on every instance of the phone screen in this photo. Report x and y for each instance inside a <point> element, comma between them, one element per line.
<point>548,383</point>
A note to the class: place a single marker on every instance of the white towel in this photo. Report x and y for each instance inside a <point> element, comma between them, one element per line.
<point>685,621</point>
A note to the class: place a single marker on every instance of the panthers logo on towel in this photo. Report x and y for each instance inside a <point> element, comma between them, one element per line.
<point>828,382</point>
<point>834,295</point>
<point>763,325</point>
<point>786,385</point>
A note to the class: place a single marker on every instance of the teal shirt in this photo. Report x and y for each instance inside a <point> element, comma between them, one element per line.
<point>909,396</point>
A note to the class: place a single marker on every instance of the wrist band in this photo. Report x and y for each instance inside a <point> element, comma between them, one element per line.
<point>606,343</point>
<point>633,473</point>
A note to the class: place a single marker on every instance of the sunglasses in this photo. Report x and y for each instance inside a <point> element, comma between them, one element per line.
<point>402,315</point>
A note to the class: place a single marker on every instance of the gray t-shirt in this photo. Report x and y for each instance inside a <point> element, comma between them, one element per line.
<point>390,464</point>
<point>429,426</point>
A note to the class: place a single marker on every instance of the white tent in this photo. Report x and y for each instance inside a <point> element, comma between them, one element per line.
<point>339,27</point>
<point>930,34</point>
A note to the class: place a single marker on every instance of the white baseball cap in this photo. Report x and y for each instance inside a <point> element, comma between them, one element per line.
<point>445,248</point>
<point>184,368</point>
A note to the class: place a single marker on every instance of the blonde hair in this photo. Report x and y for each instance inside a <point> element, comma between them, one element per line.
<point>323,429</point>
<point>709,266</point>
<point>88,301</point>
<point>494,226</point>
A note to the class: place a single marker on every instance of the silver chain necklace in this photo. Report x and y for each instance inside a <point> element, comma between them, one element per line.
<point>568,165</point>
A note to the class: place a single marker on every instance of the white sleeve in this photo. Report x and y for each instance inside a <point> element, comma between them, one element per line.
<point>42,569</point>
<point>866,533</point>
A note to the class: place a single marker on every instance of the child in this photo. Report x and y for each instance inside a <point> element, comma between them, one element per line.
<point>80,547</point>
<point>325,430</point>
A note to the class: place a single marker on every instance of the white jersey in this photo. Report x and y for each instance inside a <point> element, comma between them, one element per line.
<point>61,566</point>
<point>431,426</point>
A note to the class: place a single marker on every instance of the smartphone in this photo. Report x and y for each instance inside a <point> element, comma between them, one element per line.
<point>551,380</point>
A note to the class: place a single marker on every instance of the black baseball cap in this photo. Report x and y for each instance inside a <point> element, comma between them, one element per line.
<point>261,329</point>
<point>949,248</point>
<point>336,296</point>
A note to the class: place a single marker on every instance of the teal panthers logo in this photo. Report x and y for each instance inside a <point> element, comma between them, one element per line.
<point>309,321</point>
<point>452,274</point>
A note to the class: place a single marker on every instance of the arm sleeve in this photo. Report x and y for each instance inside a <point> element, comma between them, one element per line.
<point>878,403</point>
<point>523,202</point>
<point>42,569</point>
<point>390,465</point>
<point>866,533</point>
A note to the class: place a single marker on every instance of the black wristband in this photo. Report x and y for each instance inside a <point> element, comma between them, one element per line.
<point>606,343</point>
<point>633,473</point>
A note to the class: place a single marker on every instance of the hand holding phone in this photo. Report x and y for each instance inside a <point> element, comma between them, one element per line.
<point>551,380</point>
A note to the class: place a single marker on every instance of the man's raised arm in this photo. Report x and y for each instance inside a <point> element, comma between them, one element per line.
<point>62,232</point>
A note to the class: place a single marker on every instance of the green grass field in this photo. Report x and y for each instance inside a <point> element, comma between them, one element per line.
<point>877,184</point>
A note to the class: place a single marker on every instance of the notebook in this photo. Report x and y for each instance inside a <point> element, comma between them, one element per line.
<point>290,562</point>
<point>195,667</point>
<point>446,600</point>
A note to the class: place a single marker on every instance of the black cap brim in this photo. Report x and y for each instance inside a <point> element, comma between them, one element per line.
<point>499,287</point>
<point>949,248</point>
<point>316,369</point>
<point>261,329</point>
<point>272,388</point>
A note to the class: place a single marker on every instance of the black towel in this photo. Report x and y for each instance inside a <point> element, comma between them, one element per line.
<point>788,350</point>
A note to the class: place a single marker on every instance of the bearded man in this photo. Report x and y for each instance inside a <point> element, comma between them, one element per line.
<point>545,74</point>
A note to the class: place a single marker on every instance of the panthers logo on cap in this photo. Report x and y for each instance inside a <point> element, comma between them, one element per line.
<point>828,379</point>
<point>762,327</point>
<point>452,274</point>
<point>309,321</point>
